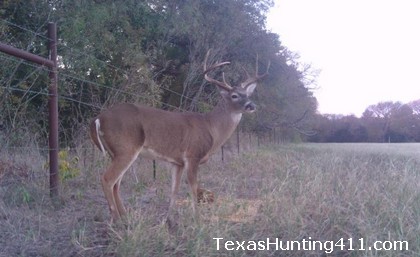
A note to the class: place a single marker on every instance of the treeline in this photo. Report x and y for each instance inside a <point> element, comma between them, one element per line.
<point>383,122</point>
<point>149,52</point>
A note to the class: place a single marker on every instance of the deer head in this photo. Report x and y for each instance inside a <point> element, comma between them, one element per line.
<point>237,97</point>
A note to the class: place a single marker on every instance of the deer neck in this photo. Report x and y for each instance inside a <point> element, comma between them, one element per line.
<point>223,123</point>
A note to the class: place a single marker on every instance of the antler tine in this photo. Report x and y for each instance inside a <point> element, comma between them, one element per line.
<point>223,84</point>
<point>256,77</point>
<point>246,72</point>
<point>224,80</point>
<point>265,73</point>
<point>256,66</point>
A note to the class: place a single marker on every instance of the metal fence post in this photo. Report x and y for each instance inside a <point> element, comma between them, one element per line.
<point>53,111</point>
<point>51,63</point>
<point>237,138</point>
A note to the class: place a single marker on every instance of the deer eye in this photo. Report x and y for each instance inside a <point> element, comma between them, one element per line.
<point>234,96</point>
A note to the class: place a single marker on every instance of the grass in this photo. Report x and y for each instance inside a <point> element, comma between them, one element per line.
<point>343,193</point>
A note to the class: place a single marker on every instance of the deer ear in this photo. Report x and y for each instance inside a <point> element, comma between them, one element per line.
<point>250,88</point>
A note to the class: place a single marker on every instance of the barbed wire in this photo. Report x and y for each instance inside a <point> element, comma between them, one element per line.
<point>26,90</point>
<point>122,71</point>
<point>64,74</point>
<point>73,77</point>
<point>117,89</point>
<point>25,29</point>
<point>22,61</point>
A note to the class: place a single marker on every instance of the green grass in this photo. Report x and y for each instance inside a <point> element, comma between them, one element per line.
<point>345,193</point>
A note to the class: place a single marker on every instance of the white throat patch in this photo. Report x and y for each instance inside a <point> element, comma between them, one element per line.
<point>236,117</point>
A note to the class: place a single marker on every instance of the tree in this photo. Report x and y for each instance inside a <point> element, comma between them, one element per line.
<point>380,117</point>
<point>151,52</point>
<point>402,124</point>
<point>383,122</point>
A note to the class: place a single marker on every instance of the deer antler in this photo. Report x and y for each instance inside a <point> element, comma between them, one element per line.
<point>257,77</point>
<point>223,84</point>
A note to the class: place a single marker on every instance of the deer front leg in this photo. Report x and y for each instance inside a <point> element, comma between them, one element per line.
<point>192,170</point>
<point>176,179</point>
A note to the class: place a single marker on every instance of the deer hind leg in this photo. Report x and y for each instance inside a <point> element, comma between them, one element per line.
<point>111,180</point>
<point>116,192</point>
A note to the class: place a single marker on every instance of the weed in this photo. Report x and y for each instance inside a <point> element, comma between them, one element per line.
<point>67,167</point>
<point>350,194</point>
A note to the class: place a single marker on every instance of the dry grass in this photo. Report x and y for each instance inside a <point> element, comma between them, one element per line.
<point>290,192</point>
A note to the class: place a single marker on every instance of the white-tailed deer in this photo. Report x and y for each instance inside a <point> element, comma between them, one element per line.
<point>185,140</point>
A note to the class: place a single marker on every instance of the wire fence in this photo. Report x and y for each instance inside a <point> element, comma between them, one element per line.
<point>77,53</point>
<point>65,75</point>
<point>241,141</point>
<point>62,79</point>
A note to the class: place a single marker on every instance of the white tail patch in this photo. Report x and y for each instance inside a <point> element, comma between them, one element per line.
<point>98,131</point>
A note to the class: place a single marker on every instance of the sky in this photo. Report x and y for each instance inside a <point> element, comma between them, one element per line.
<point>368,51</point>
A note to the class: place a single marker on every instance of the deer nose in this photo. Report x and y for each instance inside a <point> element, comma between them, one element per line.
<point>250,107</point>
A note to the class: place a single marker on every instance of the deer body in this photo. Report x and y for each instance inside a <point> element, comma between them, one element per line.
<point>171,136</point>
<point>185,140</point>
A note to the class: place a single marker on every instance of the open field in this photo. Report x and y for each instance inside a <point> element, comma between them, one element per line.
<point>331,196</point>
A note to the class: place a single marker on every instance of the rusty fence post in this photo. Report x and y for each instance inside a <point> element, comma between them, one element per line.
<point>53,111</point>
<point>237,139</point>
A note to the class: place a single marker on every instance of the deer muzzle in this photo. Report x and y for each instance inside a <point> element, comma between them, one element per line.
<point>250,107</point>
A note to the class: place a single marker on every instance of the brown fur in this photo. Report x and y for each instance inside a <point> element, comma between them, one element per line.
<point>185,140</point>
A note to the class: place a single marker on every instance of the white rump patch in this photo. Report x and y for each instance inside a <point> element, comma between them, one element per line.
<point>98,134</point>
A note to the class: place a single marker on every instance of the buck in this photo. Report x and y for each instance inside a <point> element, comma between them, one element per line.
<point>184,139</point>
